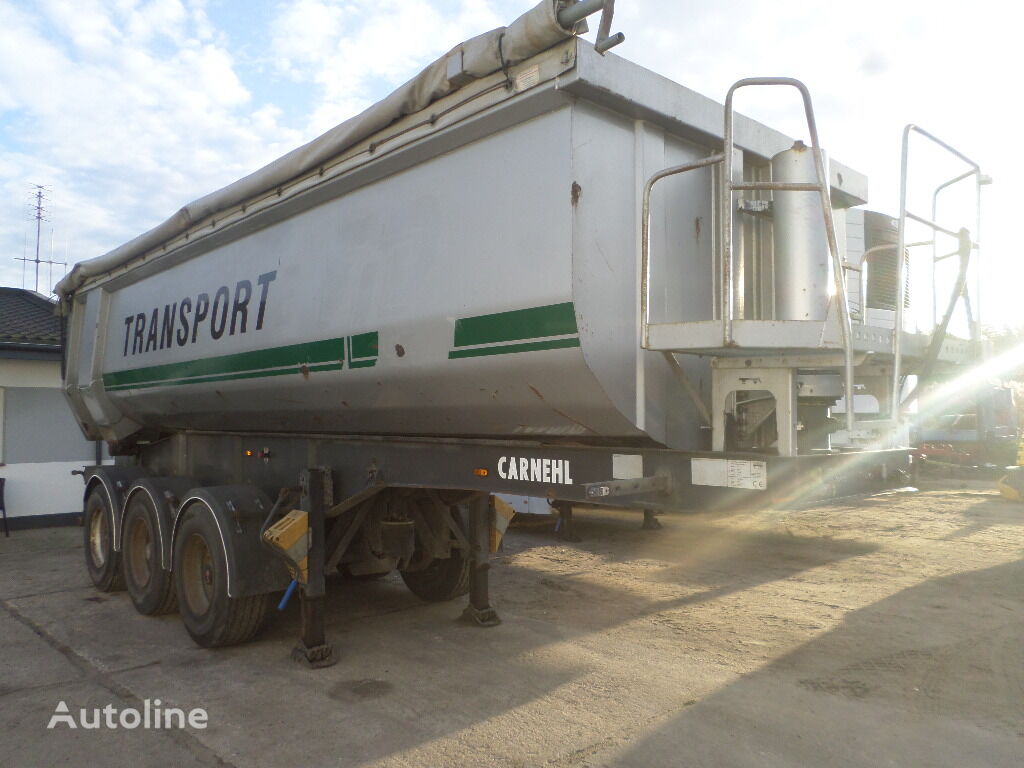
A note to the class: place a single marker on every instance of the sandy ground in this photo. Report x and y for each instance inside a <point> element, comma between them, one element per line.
<point>886,631</point>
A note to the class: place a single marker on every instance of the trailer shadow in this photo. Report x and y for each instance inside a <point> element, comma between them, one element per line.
<point>928,676</point>
<point>409,668</point>
<point>990,510</point>
<point>700,562</point>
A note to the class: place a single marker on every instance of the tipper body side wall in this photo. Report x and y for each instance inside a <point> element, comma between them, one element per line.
<point>490,290</point>
<point>439,300</point>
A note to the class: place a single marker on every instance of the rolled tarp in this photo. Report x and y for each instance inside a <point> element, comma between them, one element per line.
<point>535,31</point>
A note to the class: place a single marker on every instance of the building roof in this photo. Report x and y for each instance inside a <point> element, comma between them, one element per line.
<point>28,323</point>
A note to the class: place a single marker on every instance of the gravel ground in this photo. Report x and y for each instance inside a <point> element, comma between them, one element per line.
<point>877,631</point>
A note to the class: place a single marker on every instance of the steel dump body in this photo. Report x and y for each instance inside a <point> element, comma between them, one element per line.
<point>474,276</point>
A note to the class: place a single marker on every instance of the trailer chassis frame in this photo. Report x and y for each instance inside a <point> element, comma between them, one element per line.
<point>350,475</point>
<point>620,476</point>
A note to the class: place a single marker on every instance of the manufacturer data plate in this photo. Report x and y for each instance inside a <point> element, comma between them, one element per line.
<point>627,466</point>
<point>527,78</point>
<point>729,473</point>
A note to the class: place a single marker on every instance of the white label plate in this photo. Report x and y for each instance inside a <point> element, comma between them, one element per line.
<point>729,473</point>
<point>527,78</point>
<point>627,466</point>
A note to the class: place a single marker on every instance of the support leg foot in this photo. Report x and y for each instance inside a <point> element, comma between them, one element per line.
<point>313,650</point>
<point>480,617</point>
<point>317,657</point>
<point>651,522</point>
<point>479,611</point>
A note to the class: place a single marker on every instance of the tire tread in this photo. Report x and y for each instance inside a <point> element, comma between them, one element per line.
<point>245,617</point>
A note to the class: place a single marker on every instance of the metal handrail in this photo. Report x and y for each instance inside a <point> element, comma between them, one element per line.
<point>897,337</point>
<point>935,253</point>
<point>980,181</point>
<point>645,239</point>
<point>729,186</point>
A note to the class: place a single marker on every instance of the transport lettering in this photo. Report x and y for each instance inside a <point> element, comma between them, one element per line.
<point>534,470</point>
<point>230,310</point>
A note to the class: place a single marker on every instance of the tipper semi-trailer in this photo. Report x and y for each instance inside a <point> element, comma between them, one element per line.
<point>533,269</point>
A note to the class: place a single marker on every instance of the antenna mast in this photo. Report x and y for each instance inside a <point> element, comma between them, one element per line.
<point>39,214</point>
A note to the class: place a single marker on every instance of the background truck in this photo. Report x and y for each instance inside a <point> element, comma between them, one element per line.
<point>978,429</point>
<point>533,269</point>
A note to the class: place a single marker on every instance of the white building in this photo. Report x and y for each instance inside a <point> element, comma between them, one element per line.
<point>40,442</point>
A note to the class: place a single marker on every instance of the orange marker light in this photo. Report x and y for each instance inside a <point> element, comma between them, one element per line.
<point>248,453</point>
<point>480,472</point>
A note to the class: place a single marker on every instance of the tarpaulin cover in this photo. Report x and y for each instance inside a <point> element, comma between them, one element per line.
<point>533,32</point>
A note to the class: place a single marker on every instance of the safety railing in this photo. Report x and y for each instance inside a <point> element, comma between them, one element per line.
<point>821,186</point>
<point>727,187</point>
<point>965,242</point>
<point>645,238</point>
<point>726,210</point>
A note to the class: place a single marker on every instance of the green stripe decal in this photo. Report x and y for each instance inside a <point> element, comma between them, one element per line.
<point>363,345</point>
<point>507,349</point>
<point>521,330</point>
<point>227,377</point>
<point>309,357</point>
<point>533,323</point>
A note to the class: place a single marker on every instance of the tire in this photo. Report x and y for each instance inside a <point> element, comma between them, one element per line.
<point>441,580</point>
<point>201,584</point>
<point>102,562</point>
<point>150,587</point>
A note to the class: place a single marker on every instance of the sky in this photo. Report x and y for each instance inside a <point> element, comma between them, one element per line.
<point>127,109</point>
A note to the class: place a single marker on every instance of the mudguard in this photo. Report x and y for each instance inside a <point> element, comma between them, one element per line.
<point>239,511</point>
<point>115,482</point>
<point>166,494</point>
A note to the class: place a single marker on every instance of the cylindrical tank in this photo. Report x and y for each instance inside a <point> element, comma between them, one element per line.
<point>799,239</point>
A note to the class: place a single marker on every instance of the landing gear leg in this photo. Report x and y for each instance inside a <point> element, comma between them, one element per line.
<point>650,521</point>
<point>313,648</point>
<point>479,611</point>
<point>565,529</point>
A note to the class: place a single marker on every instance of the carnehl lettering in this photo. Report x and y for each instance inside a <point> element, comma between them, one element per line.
<point>535,470</point>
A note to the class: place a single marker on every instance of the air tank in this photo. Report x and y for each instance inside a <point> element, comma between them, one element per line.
<point>799,239</point>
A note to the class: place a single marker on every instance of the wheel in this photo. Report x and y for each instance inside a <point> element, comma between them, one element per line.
<point>441,580</point>
<point>201,583</point>
<point>102,562</point>
<point>149,585</point>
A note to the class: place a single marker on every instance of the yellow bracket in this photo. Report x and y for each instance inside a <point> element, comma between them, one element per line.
<point>290,536</point>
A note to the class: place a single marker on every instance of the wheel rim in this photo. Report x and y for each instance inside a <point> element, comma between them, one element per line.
<point>140,552</point>
<point>98,538</point>
<point>197,575</point>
